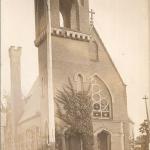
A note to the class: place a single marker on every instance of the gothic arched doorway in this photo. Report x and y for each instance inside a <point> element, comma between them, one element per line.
<point>104,140</point>
<point>73,142</point>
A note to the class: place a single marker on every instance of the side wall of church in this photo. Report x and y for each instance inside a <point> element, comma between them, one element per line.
<point>29,134</point>
<point>22,127</point>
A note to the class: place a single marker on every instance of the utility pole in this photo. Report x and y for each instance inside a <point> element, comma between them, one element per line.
<point>145,98</point>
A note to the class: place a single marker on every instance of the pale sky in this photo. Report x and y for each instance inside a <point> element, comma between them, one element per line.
<point>123,27</point>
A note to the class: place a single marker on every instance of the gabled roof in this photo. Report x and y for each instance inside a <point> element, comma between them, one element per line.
<point>32,106</point>
<point>94,31</point>
<point>131,121</point>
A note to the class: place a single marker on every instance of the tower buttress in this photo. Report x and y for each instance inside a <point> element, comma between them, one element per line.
<point>83,6</point>
<point>55,20</point>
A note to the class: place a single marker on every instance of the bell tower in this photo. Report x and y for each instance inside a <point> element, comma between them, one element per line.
<point>69,19</point>
<point>72,14</point>
<point>75,30</point>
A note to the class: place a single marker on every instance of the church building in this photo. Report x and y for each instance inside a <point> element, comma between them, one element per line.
<point>78,53</point>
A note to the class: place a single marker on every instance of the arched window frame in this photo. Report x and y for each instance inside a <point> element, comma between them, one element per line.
<point>99,110</point>
<point>94,53</point>
<point>61,20</point>
<point>70,14</point>
<point>79,77</point>
<point>66,13</point>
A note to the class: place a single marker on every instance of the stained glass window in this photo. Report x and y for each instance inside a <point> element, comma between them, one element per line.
<point>101,99</point>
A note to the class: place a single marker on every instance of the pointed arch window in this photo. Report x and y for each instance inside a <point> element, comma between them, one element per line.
<point>93,51</point>
<point>61,20</point>
<point>65,12</point>
<point>79,78</point>
<point>102,102</point>
<point>70,14</point>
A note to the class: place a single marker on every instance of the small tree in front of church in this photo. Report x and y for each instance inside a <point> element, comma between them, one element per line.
<point>75,108</point>
<point>145,131</point>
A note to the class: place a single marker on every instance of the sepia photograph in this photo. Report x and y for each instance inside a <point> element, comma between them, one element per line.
<point>75,75</point>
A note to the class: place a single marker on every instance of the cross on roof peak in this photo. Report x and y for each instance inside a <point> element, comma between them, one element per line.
<point>92,13</point>
<point>145,97</point>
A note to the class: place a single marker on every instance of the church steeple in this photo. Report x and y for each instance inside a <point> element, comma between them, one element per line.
<point>73,15</point>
